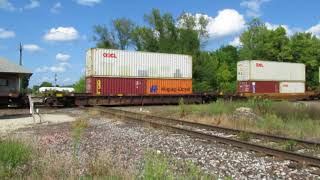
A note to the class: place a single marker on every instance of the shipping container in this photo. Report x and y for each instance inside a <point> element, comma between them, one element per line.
<point>133,64</point>
<point>169,86</point>
<point>255,70</point>
<point>107,86</point>
<point>292,87</point>
<point>258,87</point>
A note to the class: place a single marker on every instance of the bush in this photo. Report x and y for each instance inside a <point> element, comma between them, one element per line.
<point>12,155</point>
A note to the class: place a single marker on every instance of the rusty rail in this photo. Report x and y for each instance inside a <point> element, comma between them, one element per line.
<point>218,128</point>
<point>304,159</point>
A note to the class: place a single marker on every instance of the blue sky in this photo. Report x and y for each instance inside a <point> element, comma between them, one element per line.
<point>56,34</point>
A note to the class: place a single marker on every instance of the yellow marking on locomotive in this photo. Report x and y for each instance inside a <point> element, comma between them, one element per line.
<point>98,87</point>
<point>59,95</point>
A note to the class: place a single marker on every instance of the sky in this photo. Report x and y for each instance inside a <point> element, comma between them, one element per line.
<point>56,34</point>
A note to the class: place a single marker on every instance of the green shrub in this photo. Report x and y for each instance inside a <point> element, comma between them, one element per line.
<point>13,154</point>
<point>244,136</point>
<point>290,145</point>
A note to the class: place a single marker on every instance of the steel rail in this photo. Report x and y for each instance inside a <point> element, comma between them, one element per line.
<point>300,158</point>
<point>218,128</point>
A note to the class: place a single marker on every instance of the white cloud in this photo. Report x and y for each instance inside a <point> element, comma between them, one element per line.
<point>42,69</point>
<point>235,42</point>
<point>62,34</point>
<point>31,47</point>
<point>253,7</point>
<point>315,30</point>
<point>56,8</point>
<point>228,22</point>
<point>62,57</point>
<point>61,67</point>
<point>289,31</point>
<point>32,4</point>
<point>4,34</point>
<point>6,5</point>
<point>58,68</point>
<point>88,2</point>
<point>66,80</point>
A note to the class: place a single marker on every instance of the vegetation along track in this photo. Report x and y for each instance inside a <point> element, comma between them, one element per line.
<point>196,131</point>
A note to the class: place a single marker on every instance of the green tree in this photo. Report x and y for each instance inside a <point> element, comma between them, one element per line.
<point>123,29</point>
<point>258,42</point>
<point>305,48</point>
<point>80,85</point>
<point>35,89</point>
<point>24,83</point>
<point>163,35</point>
<point>118,36</point>
<point>228,57</point>
<point>104,38</point>
<point>46,84</point>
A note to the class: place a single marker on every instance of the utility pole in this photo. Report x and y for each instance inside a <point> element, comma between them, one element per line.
<point>55,79</point>
<point>20,50</point>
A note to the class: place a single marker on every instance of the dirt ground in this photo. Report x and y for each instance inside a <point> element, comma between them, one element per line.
<point>13,119</point>
<point>13,123</point>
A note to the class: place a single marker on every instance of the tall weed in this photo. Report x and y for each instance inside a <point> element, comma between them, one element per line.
<point>12,155</point>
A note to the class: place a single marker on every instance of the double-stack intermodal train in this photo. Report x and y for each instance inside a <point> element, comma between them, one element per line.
<point>118,77</point>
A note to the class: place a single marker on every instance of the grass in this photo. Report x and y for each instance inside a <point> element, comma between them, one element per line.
<point>102,165</point>
<point>290,145</point>
<point>13,154</point>
<point>244,136</point>
<point>78,128</point>
<point>158,166</point>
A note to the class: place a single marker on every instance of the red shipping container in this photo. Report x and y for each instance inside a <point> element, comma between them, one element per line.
<point>258,87</point>
<point>108,86</point>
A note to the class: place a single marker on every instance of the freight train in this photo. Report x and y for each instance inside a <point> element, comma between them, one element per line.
<point>118,77</point>
<point>269,79</point>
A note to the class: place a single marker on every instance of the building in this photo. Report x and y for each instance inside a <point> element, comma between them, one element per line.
<point>11,75</point>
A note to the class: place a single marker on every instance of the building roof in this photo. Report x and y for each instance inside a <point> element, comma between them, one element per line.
<point>7,66</point>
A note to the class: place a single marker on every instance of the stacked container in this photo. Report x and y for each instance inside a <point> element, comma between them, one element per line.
<point>256,76</point>
<point>118,72</point>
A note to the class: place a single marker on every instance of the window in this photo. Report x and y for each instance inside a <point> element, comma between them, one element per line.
<point>4,82</point>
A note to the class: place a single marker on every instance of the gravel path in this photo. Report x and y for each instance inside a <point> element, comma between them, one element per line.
<point>127,142</point>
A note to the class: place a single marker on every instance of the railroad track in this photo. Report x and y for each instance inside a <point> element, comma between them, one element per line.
<point>182,127</point>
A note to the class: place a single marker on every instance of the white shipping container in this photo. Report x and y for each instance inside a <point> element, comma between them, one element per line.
<point>120,63</point>
<point>255,70</point>
<point>292,87</point>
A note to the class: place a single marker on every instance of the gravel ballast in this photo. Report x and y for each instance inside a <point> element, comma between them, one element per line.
<point>127,142</point>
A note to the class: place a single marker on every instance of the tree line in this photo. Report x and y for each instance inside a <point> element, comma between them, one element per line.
<point>212,70</point>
